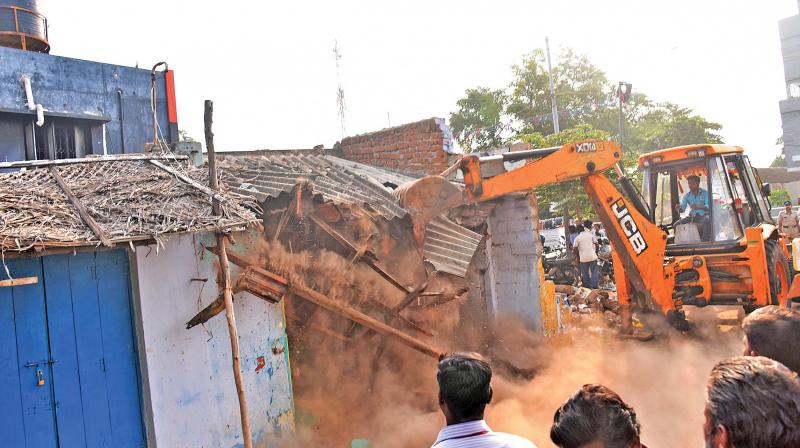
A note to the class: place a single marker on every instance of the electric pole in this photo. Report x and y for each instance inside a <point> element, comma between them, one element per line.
<point>552,88</point>
<point>337,54</point>
<point>624,94</point>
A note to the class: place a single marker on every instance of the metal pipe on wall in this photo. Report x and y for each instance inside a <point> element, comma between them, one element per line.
<point>26,83</point>
<point>153,104</point>
<point>121,117</point>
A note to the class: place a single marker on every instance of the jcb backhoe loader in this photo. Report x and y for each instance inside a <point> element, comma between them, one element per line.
<point>699,234</point>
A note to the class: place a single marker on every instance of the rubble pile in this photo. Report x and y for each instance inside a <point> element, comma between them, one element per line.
<point>578,303</point>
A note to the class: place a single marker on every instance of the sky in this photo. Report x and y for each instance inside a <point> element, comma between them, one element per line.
<point>270,69</point>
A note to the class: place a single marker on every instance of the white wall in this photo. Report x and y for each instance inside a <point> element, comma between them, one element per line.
<point>192,393</point>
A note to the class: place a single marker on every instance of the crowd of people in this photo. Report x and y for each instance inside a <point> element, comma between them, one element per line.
<point>751,400</point>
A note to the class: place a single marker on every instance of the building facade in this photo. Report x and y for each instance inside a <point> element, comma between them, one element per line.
<point>790,107</point>
<point>53,107</point>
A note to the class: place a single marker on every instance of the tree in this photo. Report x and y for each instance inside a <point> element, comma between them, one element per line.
<point>667,125</point>
<point>478,123</point>
<point>569,195</point>
<point>581,90</point>
<point>779,196</point>
<point>184,136</point>
<point>588,108</point>
<point>780,160</point>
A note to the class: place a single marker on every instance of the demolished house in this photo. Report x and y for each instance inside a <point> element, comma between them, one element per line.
<point>312,203</point>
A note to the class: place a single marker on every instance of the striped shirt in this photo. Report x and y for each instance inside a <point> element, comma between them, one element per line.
<point>477,434</point>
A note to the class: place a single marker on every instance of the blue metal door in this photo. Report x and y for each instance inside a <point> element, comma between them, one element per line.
<point>76,324</point>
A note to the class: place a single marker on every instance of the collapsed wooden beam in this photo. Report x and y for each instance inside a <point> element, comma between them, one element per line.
<point>316,327</point>
<point>207,313</point>
<point>294,207</point>
<point>87,219</point>
<point>278,286</point>
<point>367,257</point>
<point>362,319</point>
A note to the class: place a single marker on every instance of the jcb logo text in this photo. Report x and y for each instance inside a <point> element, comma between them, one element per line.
<point>628,225</point>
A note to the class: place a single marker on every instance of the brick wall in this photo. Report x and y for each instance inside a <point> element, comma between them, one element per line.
<point>424,147</point>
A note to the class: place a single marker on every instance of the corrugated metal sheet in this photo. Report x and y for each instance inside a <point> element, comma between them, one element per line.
<point>270,173</point>
<point>448,246</point>
<point>267,174</point>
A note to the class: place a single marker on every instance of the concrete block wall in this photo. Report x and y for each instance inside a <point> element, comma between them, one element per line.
<point>419,148</point>
<point>513,277</point>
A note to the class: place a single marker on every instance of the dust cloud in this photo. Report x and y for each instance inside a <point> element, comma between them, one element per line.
<point>372,388</point>
<point>663,380</point>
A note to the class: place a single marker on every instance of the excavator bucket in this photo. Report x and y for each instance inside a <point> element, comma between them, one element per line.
<point>426,198</point>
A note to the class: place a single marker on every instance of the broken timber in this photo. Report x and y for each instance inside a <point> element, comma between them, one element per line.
<point>262,281</point>
<point>294,207</point>
<point>244,262</point>
<point>367,258</point>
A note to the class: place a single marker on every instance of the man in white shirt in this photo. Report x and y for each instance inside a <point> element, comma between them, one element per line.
<point>464,391</point>
<point>586,246</point>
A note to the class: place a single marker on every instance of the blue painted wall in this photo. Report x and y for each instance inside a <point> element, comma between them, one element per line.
<point>66,86</point>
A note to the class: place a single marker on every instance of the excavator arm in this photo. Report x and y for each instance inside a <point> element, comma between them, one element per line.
<point>638,245</point>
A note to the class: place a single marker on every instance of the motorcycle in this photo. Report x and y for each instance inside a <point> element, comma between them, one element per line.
<point>558,265</point>
<point>604,260</point>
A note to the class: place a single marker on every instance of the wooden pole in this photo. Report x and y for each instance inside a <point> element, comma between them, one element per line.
<point>226,278</point>
<point>85,216</point>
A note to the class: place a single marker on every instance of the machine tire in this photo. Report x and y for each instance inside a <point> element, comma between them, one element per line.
<point>778,271</point>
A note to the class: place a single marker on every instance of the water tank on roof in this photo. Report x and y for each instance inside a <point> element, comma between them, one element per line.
<point>23,26</point>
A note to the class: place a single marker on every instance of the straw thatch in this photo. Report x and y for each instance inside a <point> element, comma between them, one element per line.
<point>130,200</point>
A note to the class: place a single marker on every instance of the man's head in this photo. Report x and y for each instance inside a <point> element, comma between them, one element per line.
<point>773,332</point>
<point>694,183</point>
<point>587,224</point>
<point>595,417</point>
<point>464,386</point>
<point>787,205</point>
<point>752,401</point>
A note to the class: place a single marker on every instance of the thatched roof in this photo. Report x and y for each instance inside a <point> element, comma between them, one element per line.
<point>130,198</point>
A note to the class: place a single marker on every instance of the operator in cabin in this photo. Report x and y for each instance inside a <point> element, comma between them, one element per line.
<point>697,201</point>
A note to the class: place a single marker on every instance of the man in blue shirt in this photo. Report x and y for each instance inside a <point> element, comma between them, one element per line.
<point>697,200</point>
